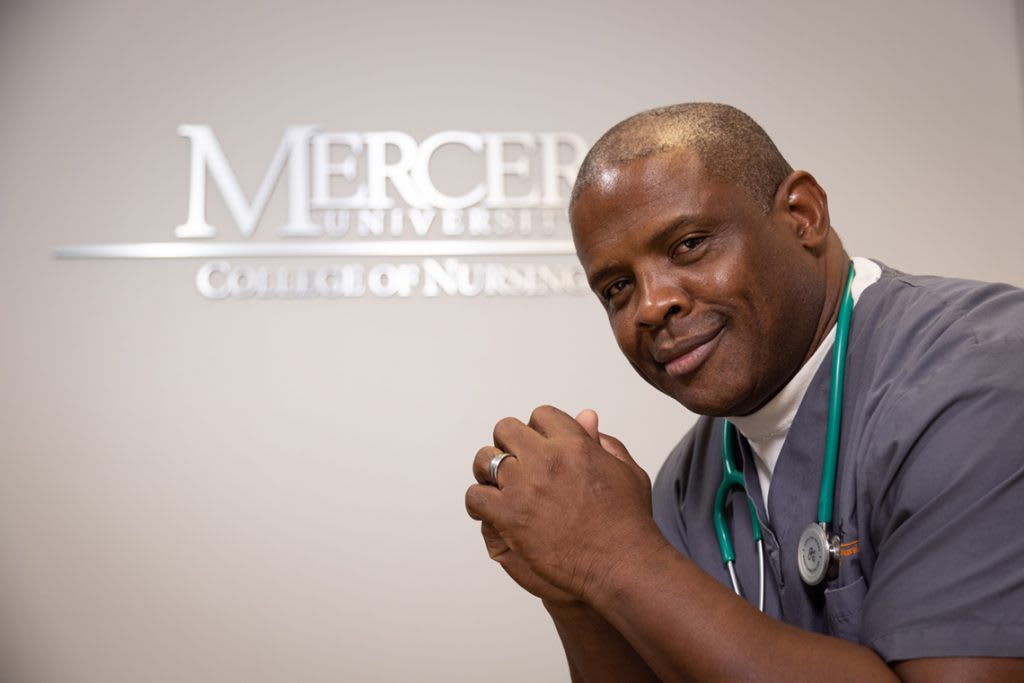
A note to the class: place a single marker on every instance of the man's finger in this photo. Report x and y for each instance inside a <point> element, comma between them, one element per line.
<point>513,436</point>
<point>495,544</point>
<point>482,464</point>
<point>588,420</point>
<point>483,503</point>
<point>615,447</point>
<point>549,421</point>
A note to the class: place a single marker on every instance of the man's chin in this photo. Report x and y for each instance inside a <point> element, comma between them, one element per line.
<point>693,393</point>
<point>702,400</point>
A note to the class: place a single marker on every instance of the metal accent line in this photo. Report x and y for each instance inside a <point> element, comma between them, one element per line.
<point>408,248</point>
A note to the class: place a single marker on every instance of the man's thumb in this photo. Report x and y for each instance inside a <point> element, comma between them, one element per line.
<point>588,420</point>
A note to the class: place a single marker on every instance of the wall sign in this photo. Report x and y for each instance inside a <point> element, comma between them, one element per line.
<point>378,201</point>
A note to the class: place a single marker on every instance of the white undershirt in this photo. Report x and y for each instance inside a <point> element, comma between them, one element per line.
<point>766,429</point>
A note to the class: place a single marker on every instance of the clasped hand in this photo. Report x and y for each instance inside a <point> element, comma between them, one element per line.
<point>570,510</point>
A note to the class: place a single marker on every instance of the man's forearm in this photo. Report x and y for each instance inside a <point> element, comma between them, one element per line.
<point>596,652</point>
<point>687,626</point>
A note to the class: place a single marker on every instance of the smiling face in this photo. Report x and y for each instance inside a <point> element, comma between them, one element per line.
<point>713,302</point>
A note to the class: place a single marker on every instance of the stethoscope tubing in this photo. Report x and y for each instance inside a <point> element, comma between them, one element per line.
<point>760,575</point>
<point>835,405</point>
<point>732,478</point>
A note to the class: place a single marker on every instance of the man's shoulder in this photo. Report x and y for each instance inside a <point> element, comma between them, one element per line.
<point>909,327</point>
<point>934,374</point>
<point>923,303</point>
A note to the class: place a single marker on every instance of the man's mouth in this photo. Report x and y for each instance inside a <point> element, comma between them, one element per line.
<point>684,356</point>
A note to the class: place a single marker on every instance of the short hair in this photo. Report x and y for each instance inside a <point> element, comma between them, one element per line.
<point>729,145</point>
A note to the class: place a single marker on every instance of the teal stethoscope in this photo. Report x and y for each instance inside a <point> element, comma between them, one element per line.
<point>818,549</point>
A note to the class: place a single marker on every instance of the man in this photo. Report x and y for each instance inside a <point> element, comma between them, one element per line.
<point>723,280</point>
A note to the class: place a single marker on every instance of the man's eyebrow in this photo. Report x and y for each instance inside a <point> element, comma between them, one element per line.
<point>670,227</point>
<point>603,272</point>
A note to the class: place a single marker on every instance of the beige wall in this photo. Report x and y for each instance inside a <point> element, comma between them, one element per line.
<point>268,491</point>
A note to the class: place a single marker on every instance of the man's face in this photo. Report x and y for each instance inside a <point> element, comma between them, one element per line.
<point>712,301</point>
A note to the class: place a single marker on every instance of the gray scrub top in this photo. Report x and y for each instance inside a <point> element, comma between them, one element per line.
<point>929,499</point>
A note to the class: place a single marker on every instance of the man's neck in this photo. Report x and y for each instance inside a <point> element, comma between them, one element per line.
<point>767,427</point>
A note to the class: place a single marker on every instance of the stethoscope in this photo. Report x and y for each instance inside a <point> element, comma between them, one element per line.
<point>818,548</point>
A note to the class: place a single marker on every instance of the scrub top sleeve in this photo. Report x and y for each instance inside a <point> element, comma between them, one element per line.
<point>666,497</point>
<point>948,579</point>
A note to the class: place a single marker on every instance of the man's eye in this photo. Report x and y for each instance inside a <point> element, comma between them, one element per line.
<point>690,243</point>
<point>614,288</point>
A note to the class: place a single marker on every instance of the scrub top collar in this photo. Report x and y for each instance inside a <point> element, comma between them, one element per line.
<point>766,428</point>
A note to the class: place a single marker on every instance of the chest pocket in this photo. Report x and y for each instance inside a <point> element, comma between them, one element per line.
<point>843,609</point>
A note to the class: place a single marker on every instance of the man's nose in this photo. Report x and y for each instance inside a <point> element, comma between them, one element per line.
<point>661,298</point>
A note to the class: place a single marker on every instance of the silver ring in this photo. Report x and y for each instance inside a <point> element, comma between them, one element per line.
<point>492,469</point>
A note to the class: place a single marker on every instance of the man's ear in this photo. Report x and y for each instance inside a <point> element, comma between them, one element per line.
<point>801,204</point>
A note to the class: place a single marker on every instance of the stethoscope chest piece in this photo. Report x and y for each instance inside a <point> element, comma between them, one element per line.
<point>817,554</point>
